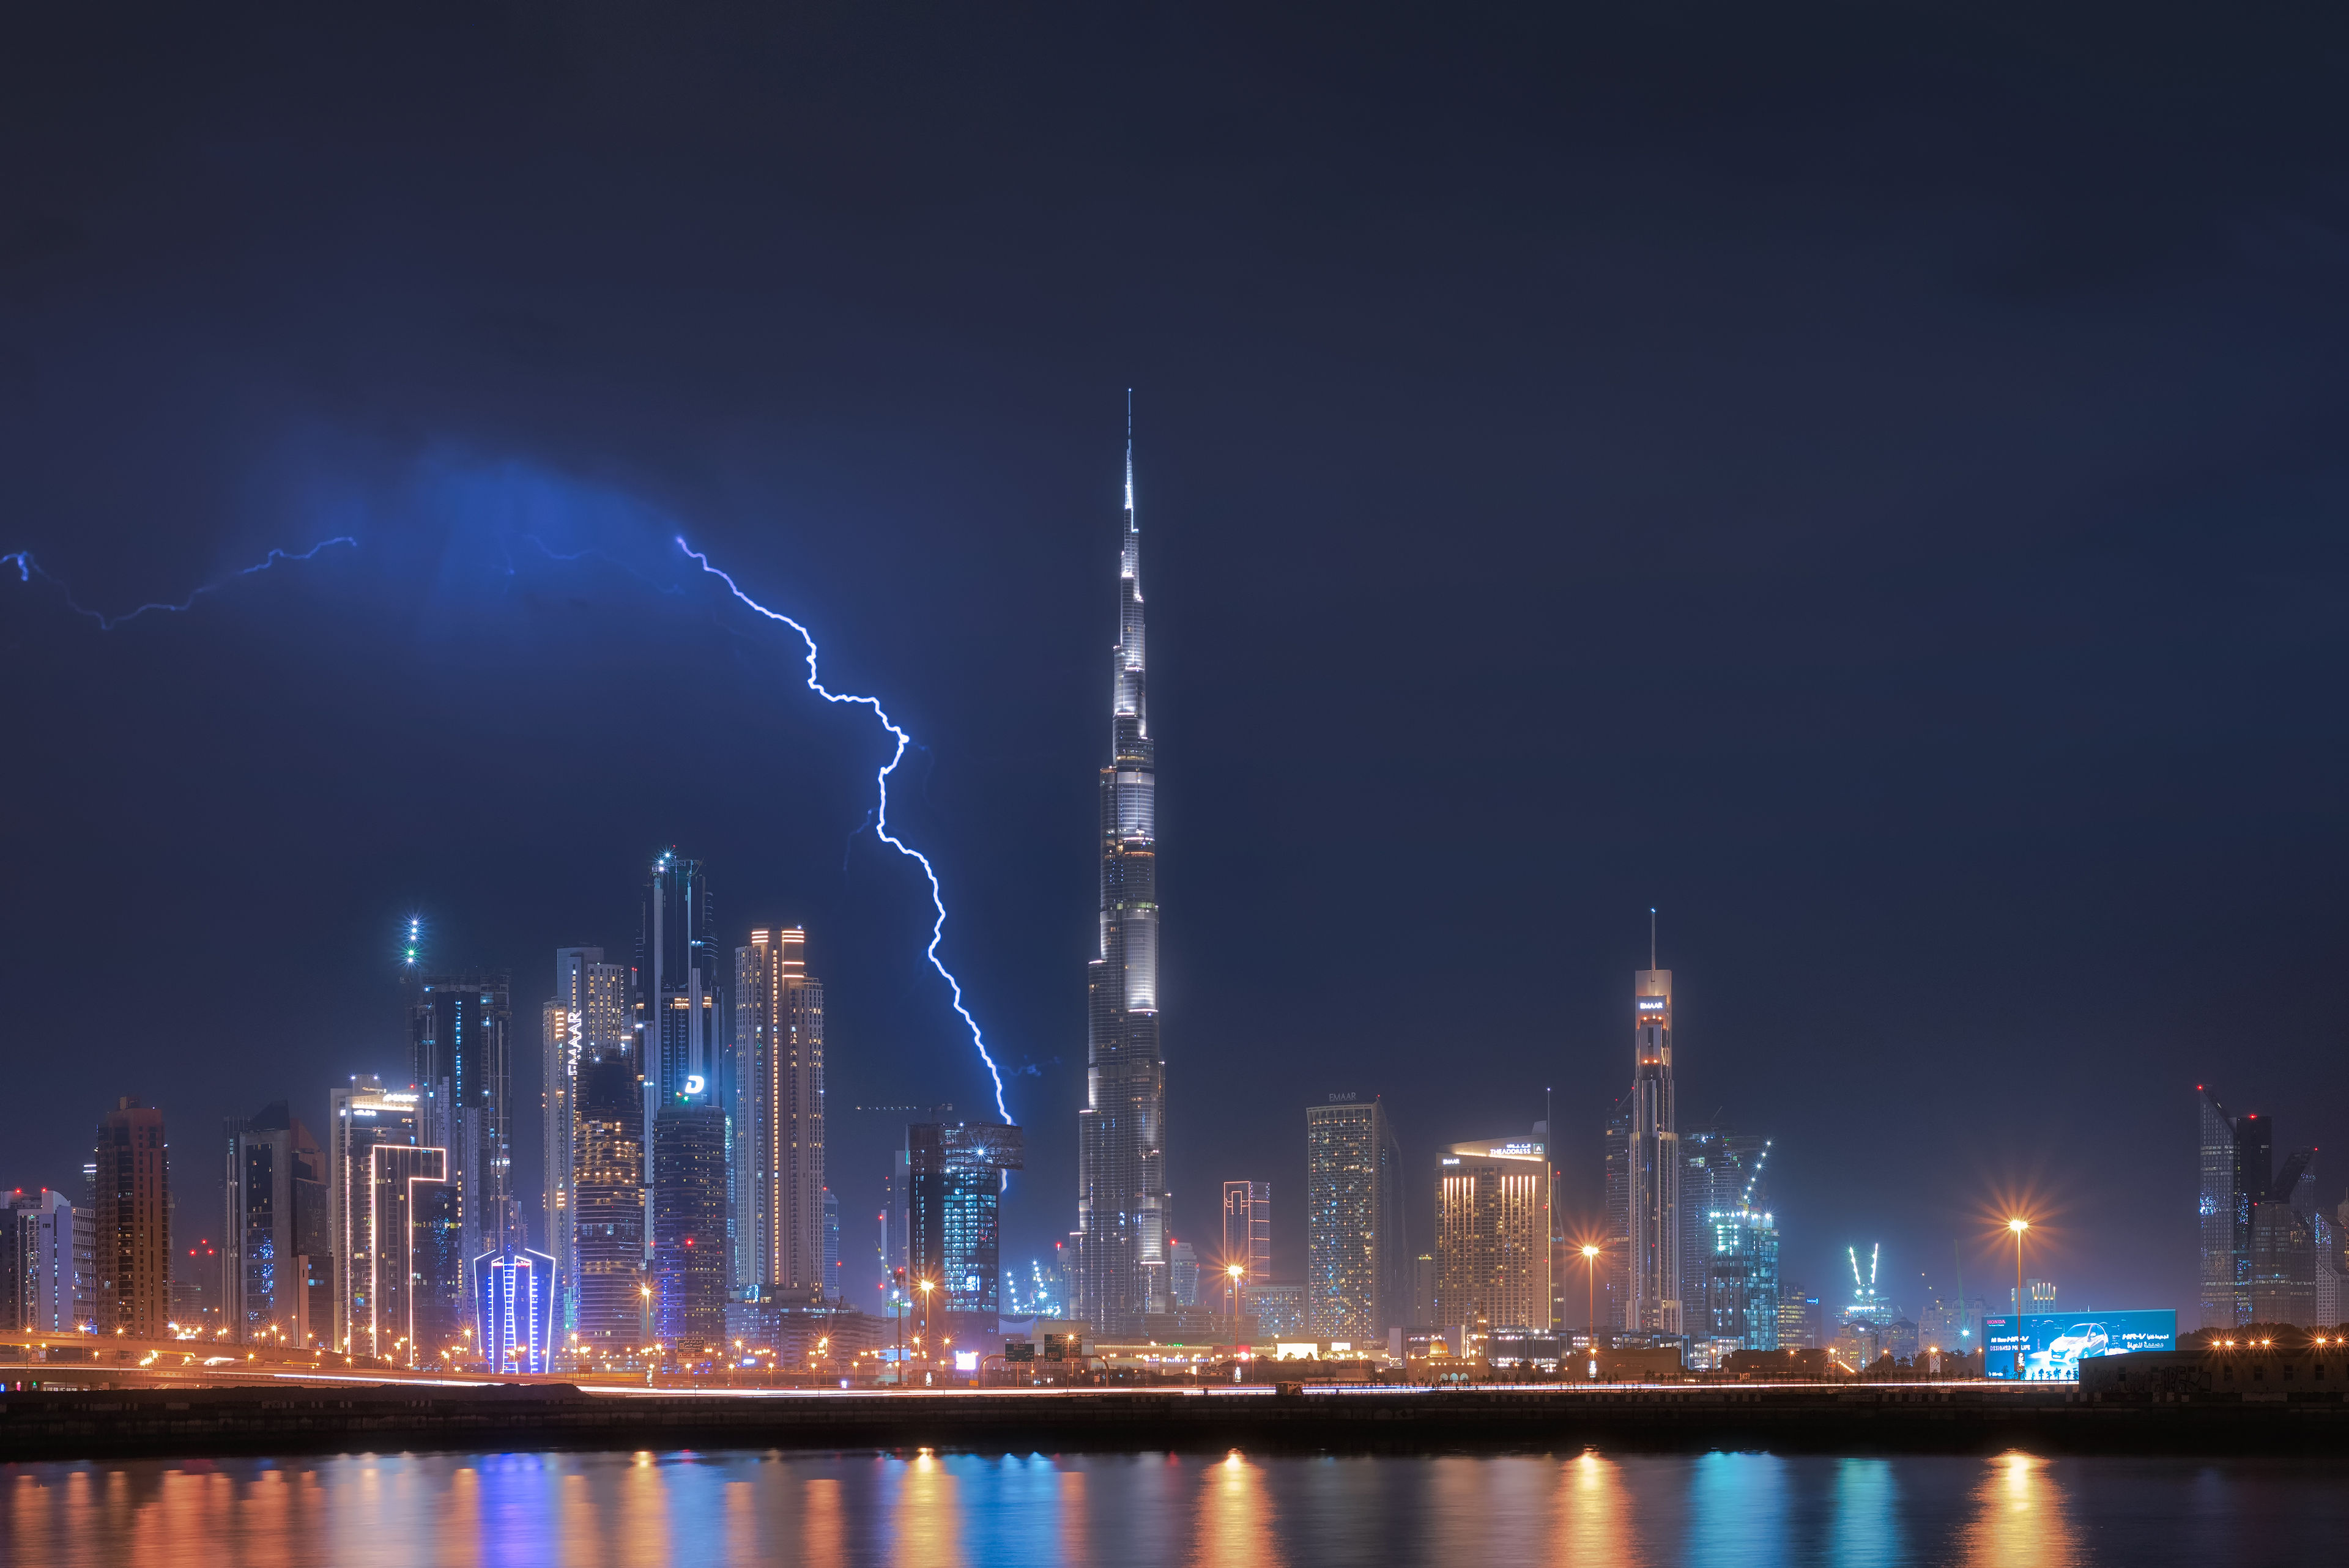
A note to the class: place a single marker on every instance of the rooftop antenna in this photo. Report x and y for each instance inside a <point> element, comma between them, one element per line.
<point>1128,454</point>
<point>1651,937</point>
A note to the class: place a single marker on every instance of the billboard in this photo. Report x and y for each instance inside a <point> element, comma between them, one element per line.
<point>2051,1345</point>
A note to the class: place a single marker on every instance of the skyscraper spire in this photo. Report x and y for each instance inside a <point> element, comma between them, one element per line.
<point>1120,1141</point>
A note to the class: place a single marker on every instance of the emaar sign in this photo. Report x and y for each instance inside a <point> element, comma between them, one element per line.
<point>2048,1346</point>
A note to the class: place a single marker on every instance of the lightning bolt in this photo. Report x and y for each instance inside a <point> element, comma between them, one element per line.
<point>27,567</point>
<point>881,816</point>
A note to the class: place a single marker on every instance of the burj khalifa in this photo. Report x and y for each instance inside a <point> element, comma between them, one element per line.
<point>1122,1130</point>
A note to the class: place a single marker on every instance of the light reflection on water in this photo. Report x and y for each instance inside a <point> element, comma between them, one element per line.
<point>958,1511</point>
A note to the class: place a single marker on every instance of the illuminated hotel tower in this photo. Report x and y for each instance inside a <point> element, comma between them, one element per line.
<point>1653,1248</point>
<point>779,1046</point>
<point>1121,1133</point>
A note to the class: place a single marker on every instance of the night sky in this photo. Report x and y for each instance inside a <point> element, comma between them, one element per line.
<point>1865,481</point>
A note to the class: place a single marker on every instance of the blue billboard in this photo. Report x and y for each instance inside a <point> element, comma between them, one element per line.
<point>2048,1346</point>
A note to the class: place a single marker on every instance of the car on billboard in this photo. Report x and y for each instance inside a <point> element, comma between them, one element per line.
<point>2077,1343</point>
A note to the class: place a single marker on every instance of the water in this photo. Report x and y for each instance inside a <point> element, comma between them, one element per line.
<point>584,1510</point>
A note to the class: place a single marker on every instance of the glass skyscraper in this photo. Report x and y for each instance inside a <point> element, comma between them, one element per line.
<point>459,1029</point>
<point>955,1174</point>
<point>1742,1278</point>
<point>1122,1130</point>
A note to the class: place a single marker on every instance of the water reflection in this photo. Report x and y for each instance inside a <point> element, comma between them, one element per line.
<point>2020,1519</point>
<point>1235,1518</point>
<point>1867,1530</point>
<point>1235,1510</point>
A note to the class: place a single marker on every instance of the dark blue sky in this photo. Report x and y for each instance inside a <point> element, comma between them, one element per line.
<point>1867,480</point>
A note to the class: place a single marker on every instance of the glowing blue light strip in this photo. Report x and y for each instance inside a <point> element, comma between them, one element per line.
<point>881,817</point>
<point>26,566</point>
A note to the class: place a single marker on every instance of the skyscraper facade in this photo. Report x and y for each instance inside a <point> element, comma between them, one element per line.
<point>274,1229</point>
<point>779,1039</point>
<point>608,1203</point>
<point>1355,1268</point>
<point>1722,1173</point>
<point>1614,1263</point>
<point>679,1010</point>
<point>955,1178</point>
<point>361,1116</point>
<point>1247,1240</point>
<point>689,1231</point>
<point>460,1031</point>
<point>37,1262</point>
<point>1120,1131</point>
<point>1654,1240</point>
<point>1742,1279</point>
<point>1492,1235</point>
<point>132,1199</point>
<point>587,1020</point>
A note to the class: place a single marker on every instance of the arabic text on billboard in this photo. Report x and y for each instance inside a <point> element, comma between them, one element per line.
<point>2048,1346</point>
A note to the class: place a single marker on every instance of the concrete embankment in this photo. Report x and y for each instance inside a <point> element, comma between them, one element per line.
<point>62,1424</point>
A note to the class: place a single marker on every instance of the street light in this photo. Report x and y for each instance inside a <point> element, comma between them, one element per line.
<point>1237,1274</point>
<point>1590,1295</point>
<point>2018,1225</point>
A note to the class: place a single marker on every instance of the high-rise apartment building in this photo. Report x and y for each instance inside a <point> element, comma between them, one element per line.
<point>1355,1256</point>
<point>779,1041</point>
<point>1654,1240</point>
<point>1492,1235</point>
<point>609,1207</point>
<point>37,1262</point>
<point>514,1321</point>
<point>1247,1240</point>
<point>587,1020</point>
<point>1122,1130</point>
<point>85,1310</point>
<point>955,1177</point>
<point>131,1200</point>
<point>459,1033</point>
<point>361,1117</point>
<point>275,1231</point>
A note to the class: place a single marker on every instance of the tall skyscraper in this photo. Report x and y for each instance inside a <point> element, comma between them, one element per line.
<point>679,1009</point>
<point>1492,1234</point>
<point>1355,1269</point>
<point>275,1222</point>
<point>131,1195</point>
<point>460,1029</point>
<point>955,1178</point>
<point>779,1039</point>
<point>1653,1242</point>
<point>586,1020</point>
<point>1122,1130</point>
<point>609,1177</point>
<point>1615,1261</point>
<point>360,1117</point>
<point>1722,1173</point>
<point>690,1250</point>
<point>1247,1240</point>
<point>37,1262</point>
<point>2258,1235</point>
<point>1742,1279</point>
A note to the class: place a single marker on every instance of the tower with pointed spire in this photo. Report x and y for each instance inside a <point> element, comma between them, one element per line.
<point>1120,1131</point>
<point>1652,1251</point>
